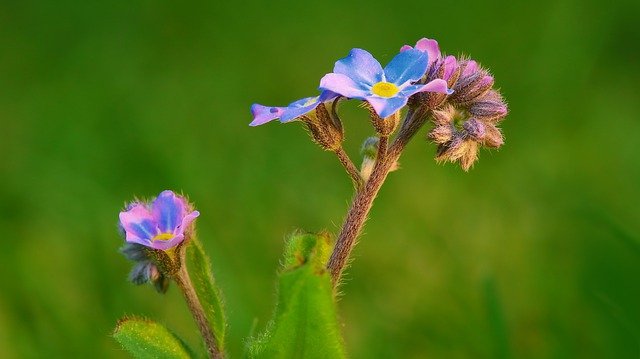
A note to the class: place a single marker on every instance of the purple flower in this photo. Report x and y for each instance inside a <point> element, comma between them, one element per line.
<point>263,114</point>
<point>387,90</point>
<point>159,225</point>
<point>431,48</point>
<point>428,46</point>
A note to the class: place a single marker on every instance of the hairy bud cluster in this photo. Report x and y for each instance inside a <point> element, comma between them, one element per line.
<point>459,133</point>
<point>443,68</point>
<point>468,118</point>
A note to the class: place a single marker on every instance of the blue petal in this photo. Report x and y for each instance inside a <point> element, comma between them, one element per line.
<point>140,273</point>
<point>409,65</point>
<point>327,95</point>
<point>361,67</point>
<point>168,211</point>
<point>263,114</point>
<point>298,109</point>
<point>386,107</point>
<point>307,101</point>
<point>146,229</point>
<point>344,86</point>
<point>410,90</point>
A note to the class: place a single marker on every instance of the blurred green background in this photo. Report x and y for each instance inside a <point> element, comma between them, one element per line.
<point>533,254</point>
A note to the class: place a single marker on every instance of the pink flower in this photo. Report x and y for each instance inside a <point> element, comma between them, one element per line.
<point>160,224</point>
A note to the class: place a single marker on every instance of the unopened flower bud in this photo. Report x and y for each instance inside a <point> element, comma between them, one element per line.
<point>474,83</point>
<point>490,107</point>
<point>433,100</point>
<point>370,147</point>
<point>493,137</point>
<point>369,152</point>
<point>452,71</point>
<point>469,67</point>
<point>452,150</point>
<point>134,252</point>
<point>444,116</point>
<point>441,134</point>
<point>459,149</point>
<point>474,129</point>
<point>470,155</point>
<point>147,272</point>
<point>161,284</point>
<point>140,273</point>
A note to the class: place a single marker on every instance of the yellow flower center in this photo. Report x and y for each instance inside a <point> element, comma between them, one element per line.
<point>385,89</point>
<point>163,237</point>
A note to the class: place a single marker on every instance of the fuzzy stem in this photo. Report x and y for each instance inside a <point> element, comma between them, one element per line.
<point>383,142</point>
<point>348,165</point>
<point>363,200</point>
<point>186,286</point>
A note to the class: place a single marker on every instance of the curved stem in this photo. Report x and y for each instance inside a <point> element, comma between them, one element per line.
<point>186,286</point>
<point>363,200</point>
<point>348,165</point>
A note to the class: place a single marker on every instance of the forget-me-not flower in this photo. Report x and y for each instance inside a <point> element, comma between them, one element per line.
<point>263,114</point>
<point>161,224</point>
<point>360,76</point>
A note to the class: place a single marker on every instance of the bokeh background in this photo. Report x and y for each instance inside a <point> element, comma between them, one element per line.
<point>533,254</point>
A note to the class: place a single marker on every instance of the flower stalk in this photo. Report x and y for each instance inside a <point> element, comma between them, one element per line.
<point>183,281</point>
<point>456,94</point>
<point>364,197</point>
<point>351,169</point>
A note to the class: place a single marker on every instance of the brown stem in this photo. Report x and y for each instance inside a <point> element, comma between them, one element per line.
<point>383,141</point>
<point>363,200</point>
<point>186,286</point>
<point>348,165</point>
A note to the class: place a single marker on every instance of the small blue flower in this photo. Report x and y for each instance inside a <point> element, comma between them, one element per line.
<point>161,224</point>
<point>263,114</point>
<point>387,90</point>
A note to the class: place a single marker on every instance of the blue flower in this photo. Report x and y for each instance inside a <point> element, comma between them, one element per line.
<point>263,114</point>
<point>360,76</point>
<point>161,224</point>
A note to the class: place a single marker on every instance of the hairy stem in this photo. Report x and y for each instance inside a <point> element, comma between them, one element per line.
<point>363,200</point>
<point>186,286</point>
<point>348,165</point>
<point>382,146</point>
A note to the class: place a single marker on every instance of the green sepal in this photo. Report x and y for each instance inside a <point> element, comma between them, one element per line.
<point>199,268</point>
<point>305,323</point>
<point>144,338</point>
<point>167,261</point>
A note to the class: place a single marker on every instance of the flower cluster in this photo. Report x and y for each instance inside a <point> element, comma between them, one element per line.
<point>468,118</point>
<point>457,93</point>
<point>360,76</point>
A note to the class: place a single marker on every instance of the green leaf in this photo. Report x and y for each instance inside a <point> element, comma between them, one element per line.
<point>200,272</point>
<point>147,339</point>
<point>305,323</point>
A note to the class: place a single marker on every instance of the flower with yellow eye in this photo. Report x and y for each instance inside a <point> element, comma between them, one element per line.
<point>162,224</point>
<point>360,76</point>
